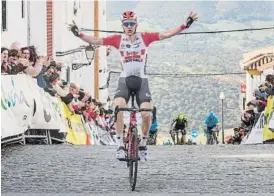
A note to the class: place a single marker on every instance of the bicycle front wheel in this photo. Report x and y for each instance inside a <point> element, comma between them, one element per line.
<point>133,159</point>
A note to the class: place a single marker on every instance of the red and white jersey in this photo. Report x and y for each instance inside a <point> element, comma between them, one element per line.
<point>133,54</point>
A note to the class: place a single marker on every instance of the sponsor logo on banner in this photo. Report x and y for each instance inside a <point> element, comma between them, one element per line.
<point>11,97</point>
<point>194,133</point>
<point>50,107</point>
<point>45,114</point>
<point>16,105</point>
<point>46,104</point>
<point>76,132</point>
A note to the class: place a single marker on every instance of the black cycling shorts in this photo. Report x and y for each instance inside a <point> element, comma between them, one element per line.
<point>142,95</point>
<point>180,127</point>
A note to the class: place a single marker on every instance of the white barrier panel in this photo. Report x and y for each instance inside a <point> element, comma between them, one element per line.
<point>25,105</point>
<point>92,132</point>
<point>256,134</point>
<point>271,121</point>
<point>16,104</point>
<point>47,112</point>
<point>99,136</point>
<point>9,127</point>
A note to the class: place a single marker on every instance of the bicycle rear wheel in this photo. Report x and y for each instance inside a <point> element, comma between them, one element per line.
<point>133,158</point>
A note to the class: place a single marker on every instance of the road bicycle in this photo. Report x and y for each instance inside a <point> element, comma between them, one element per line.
<point>131,140</point>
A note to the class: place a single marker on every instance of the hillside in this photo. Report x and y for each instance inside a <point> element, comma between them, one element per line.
<point>203,53</point>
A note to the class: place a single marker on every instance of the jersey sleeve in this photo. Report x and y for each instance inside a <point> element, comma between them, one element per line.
<point>113,40</point>
<point>150,37</point>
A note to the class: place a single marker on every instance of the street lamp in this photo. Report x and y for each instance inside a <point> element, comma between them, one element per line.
<point>90,52</point>
<point>222,97</point>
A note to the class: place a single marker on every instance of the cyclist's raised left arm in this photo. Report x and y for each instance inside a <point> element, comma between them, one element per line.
<point>151,37</point>
<point>171,32</point>
<point>174,31</point>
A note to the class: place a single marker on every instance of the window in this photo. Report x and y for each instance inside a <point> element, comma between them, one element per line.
<point>4,15</point>
<point>23,8</point>
<point>75,8</point>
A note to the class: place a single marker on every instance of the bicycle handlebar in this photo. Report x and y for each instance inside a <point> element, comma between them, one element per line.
<point>134,109</point>
<point>117,109</point>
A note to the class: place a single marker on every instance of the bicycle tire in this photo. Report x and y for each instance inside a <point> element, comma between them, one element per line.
<point>126,143</point>
<point>133,158</point>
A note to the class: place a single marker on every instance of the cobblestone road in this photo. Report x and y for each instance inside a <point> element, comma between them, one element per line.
<point>93,170</point>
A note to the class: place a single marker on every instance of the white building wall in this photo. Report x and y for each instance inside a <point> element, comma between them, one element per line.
<point>16,25</point>
<point>103,94</point>
<point>87,21</point>
<point>38,26</point>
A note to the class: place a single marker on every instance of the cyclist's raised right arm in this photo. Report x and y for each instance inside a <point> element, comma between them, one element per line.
<point>113,40</point>
<point>108,41</point>
<point>91,39</point>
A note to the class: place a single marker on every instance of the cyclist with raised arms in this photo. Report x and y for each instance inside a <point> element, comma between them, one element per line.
<point>132,47</point>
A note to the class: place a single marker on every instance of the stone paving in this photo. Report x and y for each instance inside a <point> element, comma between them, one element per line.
<point>173,170</point>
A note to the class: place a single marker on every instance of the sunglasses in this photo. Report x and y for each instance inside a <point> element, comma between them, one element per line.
<point>126,24</point>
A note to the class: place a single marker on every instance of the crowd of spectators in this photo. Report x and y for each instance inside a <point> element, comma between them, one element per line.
<point>254,109</point>
<point>25,60</point>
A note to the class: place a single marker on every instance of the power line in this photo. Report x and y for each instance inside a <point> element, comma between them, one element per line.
<point>186,33</point>
<point>179,75</point>
<point>229,31</point>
